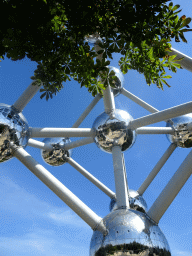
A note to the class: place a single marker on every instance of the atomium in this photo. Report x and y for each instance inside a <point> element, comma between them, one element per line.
<point>183,135</point>
<point>114,131</point>
<point>13,128</point>
<point>129,232</point>
<point>56,156</point>
<point>136,202</point>
<point>131,229</point>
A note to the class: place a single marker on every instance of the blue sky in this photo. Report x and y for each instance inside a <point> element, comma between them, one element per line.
<point>33,220</point>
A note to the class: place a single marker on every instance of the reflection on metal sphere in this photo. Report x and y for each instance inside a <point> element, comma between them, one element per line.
<point>129,233</point>
<point>13,128</point>
<point>182,136</point>
<point>110,132</point>
<point>120,80</point>
<point>57,156</point>
<point>93,38</point>
<point>136,202</point>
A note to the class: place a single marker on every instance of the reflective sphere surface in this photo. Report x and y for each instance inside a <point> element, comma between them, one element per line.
<point>13,128</point>
<point>57,156</point>
<point>92,38</point>
<point>129,233</point>
<point>110,132</point>
<point>136,202</point>
<point>119,82</point>
<point>182,137</point>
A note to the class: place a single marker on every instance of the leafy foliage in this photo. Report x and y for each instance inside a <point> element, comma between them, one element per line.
<point>53,32</point>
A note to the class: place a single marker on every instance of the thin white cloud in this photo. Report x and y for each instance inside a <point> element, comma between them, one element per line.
<point>66,226</point>
<point>181,253</point>
<point>39,243</point>
<point>27,205</point>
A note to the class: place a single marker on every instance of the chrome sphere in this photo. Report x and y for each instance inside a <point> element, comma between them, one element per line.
<point>92,38</point>
<point>57,156</point>
<point>182,136</point>
<point>13,128</point>
<point>136,202</point>
<point>129,233</point>
<point>119,82</point>
<point>114,131</point>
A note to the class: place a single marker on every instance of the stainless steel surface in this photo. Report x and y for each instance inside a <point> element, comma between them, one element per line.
<point>120,80</point>
<point>155,130</point>
<point>171,190</point>
<point>91,178</point>
<point>121,184</point>
<point>60,132</point>
<point>130,232</point>
<point>13,128</point>
<point>87,111</point>
<point>79,143</point>
<point>156,169</point>
<point>57,156</point>
<point>26,96</point>
<point>39,144</point>
<point>92,38</point>
<point>110,131</point>
<point>185,63</point>
<point>163,115</point>
<point>138,101</point>
<point>182,136</point>
<point>136,202</point>
<point>108,100</point>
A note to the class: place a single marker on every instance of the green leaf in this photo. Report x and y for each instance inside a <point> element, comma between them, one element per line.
<point>175,7</point>
<point>185,30</point>
<point>165,82</point>
<point>172,57</point>
<point>168,76</point>
<point>170,5</point>
<point>186,22</point>
<point>43,95</point>
<point>177,65</point>
<point>178,59</point>
<point>182,37</point>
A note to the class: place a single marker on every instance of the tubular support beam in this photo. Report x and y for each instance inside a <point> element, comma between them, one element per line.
<point>60,132</point>
<point>78,143</point>
<point>91,178</point>
<point>87,111</point>
<point>90,217</point>
<point>155,130</point>
<point>26,96</point>
<point>120,179</point>
<point>169,193</point>
<point>108,99</point>
<point>156,169</point>
<point>40,145</point>
<point>138,101</point>
<point>162,115</point>
<point>186,63</point>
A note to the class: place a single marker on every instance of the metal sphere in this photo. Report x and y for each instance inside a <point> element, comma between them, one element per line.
<point>92,38</point>
<point>13,128</point>
<point>114,131</point>
<point>120,80</point>
<point>129,233</point>
<point>136,202</point>
<point>182,136</point>
<point>57,156</point>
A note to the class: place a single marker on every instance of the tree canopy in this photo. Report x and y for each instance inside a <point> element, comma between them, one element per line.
<point>53,33</point>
